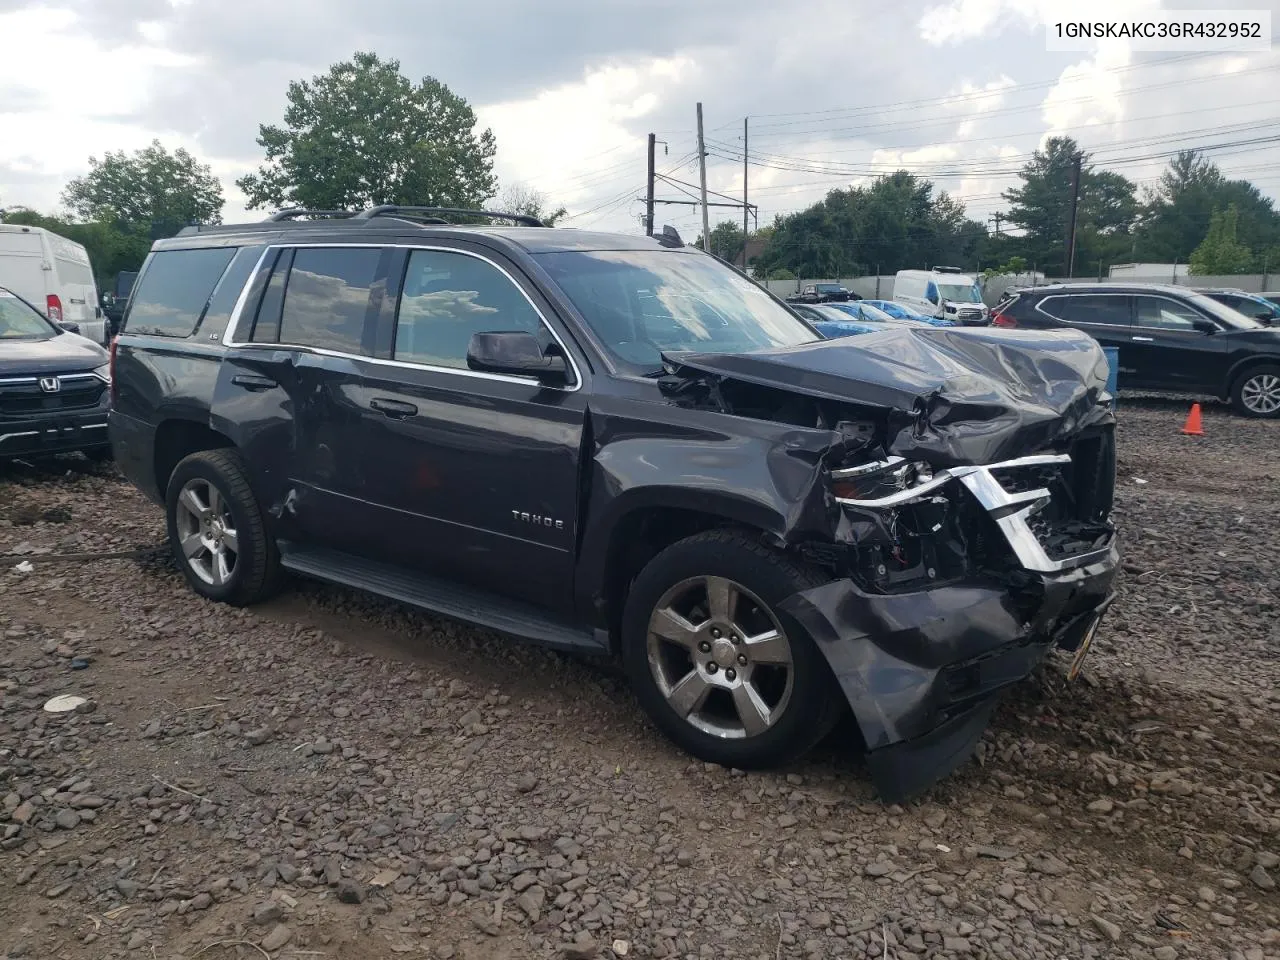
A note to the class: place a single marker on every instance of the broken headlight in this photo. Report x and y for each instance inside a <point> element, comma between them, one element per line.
<point>870,483</point>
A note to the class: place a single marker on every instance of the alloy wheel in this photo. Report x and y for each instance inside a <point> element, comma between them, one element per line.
<point>1261,393</point>
<point>206,532</point>
<point>720,657</point>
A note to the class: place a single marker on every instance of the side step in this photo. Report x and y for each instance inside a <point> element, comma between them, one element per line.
<point>453,600</point>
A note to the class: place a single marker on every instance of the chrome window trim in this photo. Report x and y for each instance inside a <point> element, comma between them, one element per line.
<point>1067,296</point>
<point>1017,508</point>
<point>233,324</point>
<point>24,433</point>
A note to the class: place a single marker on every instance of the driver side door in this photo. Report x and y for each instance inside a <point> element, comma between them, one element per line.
<point>1170,351</point>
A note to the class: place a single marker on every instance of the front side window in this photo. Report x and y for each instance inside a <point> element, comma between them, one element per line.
<point>1107,309</point>
<point>447,298</point>
<point>1164,314</point>
<point>20,321</point>
<point>174,289</point>
<point>642,303</point>
<point>326,298</point>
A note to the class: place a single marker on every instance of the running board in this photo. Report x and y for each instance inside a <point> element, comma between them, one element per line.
<point>456,601</point>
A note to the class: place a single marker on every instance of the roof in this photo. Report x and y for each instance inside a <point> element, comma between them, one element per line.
<point>390,229</point>
<point>1112,286</point>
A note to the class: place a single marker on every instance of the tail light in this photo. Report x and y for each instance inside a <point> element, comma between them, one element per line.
<point>53,307</point>
<point>1001,319</point>
<point>111,368</point>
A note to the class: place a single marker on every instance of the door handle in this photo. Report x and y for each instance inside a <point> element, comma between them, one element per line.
<point>253,382</point>
<point>395,409</point>
<point>1144,339</point>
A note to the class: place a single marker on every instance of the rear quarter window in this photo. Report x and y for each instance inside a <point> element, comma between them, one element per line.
<point>174,288</point>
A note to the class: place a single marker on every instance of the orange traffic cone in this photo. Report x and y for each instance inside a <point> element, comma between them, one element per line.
<point>1192,427</point>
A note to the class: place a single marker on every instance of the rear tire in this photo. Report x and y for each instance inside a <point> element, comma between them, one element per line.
<point>216,530</point>
<point>1256,393</point>
<point>715,664</point>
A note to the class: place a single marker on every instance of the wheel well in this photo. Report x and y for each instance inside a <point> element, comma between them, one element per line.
<point>176,439</point>
<point>1246,367</point>
<point>638,538</point>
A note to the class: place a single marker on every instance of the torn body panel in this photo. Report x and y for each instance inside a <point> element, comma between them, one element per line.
<point>968,532</point>
<point>923,670</point>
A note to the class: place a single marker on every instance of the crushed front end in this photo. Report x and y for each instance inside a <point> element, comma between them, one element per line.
<point>963,511</point>
<point>956,584</point>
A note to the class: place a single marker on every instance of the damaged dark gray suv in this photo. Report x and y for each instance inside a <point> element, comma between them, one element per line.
<point>619,445</point>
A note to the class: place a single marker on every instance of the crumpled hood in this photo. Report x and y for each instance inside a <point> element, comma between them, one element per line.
<point>66,353</point>
<point>949,396</point>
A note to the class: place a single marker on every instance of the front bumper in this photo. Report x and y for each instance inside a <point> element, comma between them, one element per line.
<point>923,671</point>
<point>54,433</point>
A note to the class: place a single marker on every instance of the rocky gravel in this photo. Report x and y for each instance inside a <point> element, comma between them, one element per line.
<point>331,775</point>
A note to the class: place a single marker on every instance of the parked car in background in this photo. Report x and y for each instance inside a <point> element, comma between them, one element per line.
<point>115,301</point>
<point>1168,338</point>
<point>618,445</point>
<point>53,273</point>
<point>823,293</point>
<point>840,320</point>
<point>943,292</point>
<point>53,385</point>
<point>899,312</point>
<point>1252,305</point>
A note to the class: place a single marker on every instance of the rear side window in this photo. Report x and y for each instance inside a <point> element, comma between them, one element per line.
<point>1106,309</point>
<point>326,298</point>
<point>174,289</point>
<point>447,297</point>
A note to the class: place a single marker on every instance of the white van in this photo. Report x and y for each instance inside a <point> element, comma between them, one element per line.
<point>54,274</point>
<point>942,292</point>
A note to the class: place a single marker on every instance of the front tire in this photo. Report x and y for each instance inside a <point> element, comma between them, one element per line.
<point>216,530</point>
<point>715,664</point>
<point>1257,393</point>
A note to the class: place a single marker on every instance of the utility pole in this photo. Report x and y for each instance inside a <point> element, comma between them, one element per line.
<point>746,209</point>
<point>648,199</point>
<point>1075,204</point>
<point>997,217</point>
<point>702,173</point>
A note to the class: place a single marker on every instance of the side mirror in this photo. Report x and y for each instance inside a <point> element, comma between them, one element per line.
<point>69,325</point>
<point>1205,326</point>
<point>518,354</point>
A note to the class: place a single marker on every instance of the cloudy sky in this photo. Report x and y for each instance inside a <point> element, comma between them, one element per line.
<point>836,90</point>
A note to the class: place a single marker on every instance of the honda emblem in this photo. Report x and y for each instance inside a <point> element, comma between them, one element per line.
<point>50,384</point>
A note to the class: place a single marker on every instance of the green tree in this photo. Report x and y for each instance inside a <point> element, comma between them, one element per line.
<point>897,222</point>
<point>1041,207</point>
<point>521,198</point>
<point>1176,215</point>
<point>150,191</point>
<point>364,134</point>
<point>1220,253</point>
<point>726,241</point>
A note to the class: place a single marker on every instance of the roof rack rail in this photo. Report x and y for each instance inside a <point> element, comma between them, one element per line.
<point>293,213</point>
<point>391,209</point>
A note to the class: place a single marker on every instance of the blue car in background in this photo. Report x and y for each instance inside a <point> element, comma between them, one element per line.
<point>836,320</point>
<point>899,312</point>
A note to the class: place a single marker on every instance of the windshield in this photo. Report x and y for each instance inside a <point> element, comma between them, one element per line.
<point>960,292</point>
<point>1232,318</point>
<point>874,313</point>
<point>20,321</point>
<point>642,303</point>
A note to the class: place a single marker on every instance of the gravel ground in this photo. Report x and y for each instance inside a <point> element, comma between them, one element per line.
<point>329,775</point>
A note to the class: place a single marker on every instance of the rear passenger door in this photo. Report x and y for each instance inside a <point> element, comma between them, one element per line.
<point>477,475</point>
<point>292,385</point>
<point>1104,316</point>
